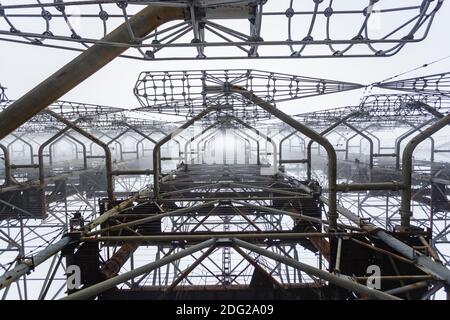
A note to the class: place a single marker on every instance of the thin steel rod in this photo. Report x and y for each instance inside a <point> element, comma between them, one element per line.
<point>83,66</point>
<point>27,265</point>
<point>108,156</point>
<point>407,167</point>
<point>332,159</point>
<point>339,281</point>
<point>111,283</point>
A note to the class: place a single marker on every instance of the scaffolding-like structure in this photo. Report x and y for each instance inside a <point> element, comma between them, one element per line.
<point>238,200</point>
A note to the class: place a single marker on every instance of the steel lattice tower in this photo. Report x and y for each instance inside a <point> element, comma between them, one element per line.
<point>236,199</point>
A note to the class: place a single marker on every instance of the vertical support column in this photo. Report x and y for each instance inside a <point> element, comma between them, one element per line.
<point>108,157</point>
<point>324,132</point>
<point>224,146</point>
<point>157,149</point>
<point>247,147</point>
<point>405,209</point>
<point>399,140</point>
<point>332,159</point>
<point>30,146</point>
<point>8,177</point>
<point>235,151</point>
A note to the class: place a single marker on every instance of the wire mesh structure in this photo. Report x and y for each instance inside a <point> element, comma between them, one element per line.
<point>437,84</point>
<point>240,199</point>
<point>387,110</point>
<point>214,191</point>
<point>306,28</point>
<point>190,92</point>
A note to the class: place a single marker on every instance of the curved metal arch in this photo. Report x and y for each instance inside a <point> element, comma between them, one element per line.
<point>202,150</point>
<point>407,167</point>
<point>108,156</point>
<point>75,142</point>
<point>405,135</point>
<point>8,177</point>
<point>322,133</point>
<point>209,140</point>
<point>258,151</point>
<point>116,140</point>
<point>189,142</point>
<point>30,146</point>
<point>247,147</point>
<point>288,137</point>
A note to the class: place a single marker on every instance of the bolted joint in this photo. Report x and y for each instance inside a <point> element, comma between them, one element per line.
<point>224,242</point>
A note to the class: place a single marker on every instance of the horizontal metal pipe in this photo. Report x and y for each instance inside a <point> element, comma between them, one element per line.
<point>395,278</point>
<point>171,158</point>
<point>294,161</point>
<point>408,287</point>
<point>27,265</point>
<point>421,261</point>
<point>348,187</point>
<point>24,166</point>
<point>247,236</point>
<point>132,172</point>
<point>151,218</point>
<point>115,210</point>
<point>254,198</point>
<point>384,155</point>
<point>407,167</point>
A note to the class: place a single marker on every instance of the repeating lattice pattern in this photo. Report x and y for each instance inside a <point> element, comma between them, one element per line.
<point>227,29</point>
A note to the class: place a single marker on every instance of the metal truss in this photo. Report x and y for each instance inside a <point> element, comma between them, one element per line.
<point>88,116</point>
<point>436,84</point>
<point>190,92</point>
<point>388,110</point>
<point>204,29</point>
<point>285,207</point>
<point>263,219</point>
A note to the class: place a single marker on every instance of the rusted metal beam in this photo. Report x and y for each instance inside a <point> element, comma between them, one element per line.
<point>8,177</point>
<point>115,210</point>
<point>85,65</point>
<point>112,267</point>
<point>407,167</point>
<point>108,156</point>
<point>332,158</point>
